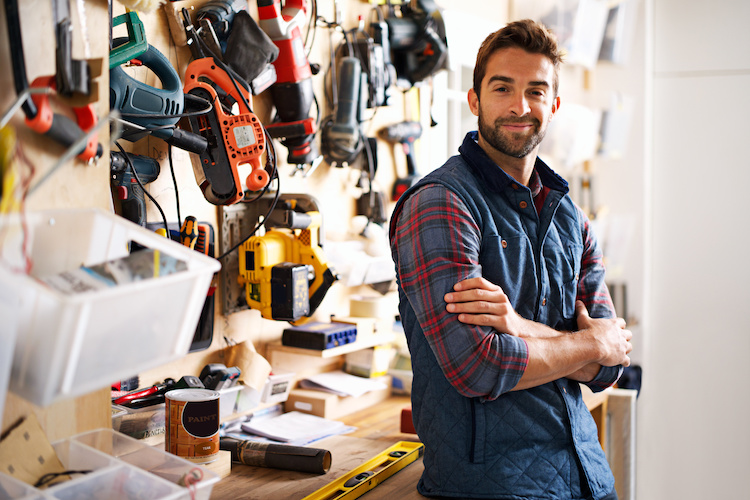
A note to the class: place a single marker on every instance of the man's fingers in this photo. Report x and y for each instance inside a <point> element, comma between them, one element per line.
<point>471,283</point>
<point>476,295</point>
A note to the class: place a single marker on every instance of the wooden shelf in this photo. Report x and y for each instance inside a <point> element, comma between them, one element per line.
<point>363,342</point>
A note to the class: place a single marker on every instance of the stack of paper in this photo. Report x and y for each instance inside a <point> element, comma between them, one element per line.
<point>294,426</point>
<point>342,384</point>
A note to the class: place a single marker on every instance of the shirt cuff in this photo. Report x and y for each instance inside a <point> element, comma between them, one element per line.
<point>606,377</point>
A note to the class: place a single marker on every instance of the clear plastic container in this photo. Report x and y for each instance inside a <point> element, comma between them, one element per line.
<point>121,468</point>
<point>71,344</point>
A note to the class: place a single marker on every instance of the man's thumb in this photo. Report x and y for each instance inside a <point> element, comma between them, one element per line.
<point>581,309</point>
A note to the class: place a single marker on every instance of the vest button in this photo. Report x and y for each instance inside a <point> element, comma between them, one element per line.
<point>523,204</point>
<point>504,244</point>
<point>544,301</point>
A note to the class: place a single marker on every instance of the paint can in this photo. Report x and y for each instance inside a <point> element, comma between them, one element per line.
<point>192,424</point>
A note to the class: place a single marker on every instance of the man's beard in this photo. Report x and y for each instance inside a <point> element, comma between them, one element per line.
<point>506,143</point>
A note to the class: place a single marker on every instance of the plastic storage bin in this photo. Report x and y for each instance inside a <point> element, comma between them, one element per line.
<point>121,468</point>
<point>71,344</point>
<point>8,308</point>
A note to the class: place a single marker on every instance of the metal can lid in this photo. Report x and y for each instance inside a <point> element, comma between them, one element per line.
<point>191,395</point>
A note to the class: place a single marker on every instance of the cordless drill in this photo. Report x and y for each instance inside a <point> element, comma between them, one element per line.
<point>404,133</point>
<point>127,189</point>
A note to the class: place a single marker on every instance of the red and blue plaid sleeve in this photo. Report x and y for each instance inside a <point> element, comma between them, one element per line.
<point>593,291</point>
<point>435,245</point>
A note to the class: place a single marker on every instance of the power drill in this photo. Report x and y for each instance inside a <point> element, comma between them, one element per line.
<point>292,94</point>
<point>127,189</point>
<point>404,133</point>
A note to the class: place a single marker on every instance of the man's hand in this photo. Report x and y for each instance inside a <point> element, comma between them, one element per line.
<point>480,302</point>
<point>611,336</point>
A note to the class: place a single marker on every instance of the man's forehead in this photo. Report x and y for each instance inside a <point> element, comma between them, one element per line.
<point>515,65</point>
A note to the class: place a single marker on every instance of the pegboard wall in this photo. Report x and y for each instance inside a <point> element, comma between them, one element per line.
<point>335,185</point>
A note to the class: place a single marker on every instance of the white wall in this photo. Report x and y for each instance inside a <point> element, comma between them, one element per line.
<point>693,432</point>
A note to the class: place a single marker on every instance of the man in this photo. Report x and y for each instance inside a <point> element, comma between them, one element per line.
<point>503,300</point>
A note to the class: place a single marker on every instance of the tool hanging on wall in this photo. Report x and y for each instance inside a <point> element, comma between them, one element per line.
<point>341,137</point>
<point>40,116</point>
<point>377,61</point>
<point>419,46</point>
<point>148,110</point>
<point>136,43</point>
<point>285,272</point>
<point>403,133</point>
<point>367,476</point>
<point>128,189</point>
<point>292,94</point>
<point>72,76</point>
<point>233,139</point>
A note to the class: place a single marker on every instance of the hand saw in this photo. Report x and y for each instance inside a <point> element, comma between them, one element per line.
<point>233,139</point>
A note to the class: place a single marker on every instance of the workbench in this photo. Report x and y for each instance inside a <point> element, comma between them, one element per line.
<point>378,428</point>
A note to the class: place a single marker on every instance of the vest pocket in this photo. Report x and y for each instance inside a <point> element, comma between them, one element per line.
<point>571,270</point>
<point>476,450</point>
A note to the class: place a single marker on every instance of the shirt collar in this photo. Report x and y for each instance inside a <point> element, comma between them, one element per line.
<point>496,177</point>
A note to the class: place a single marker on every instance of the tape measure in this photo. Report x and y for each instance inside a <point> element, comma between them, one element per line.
<point>367,476</point>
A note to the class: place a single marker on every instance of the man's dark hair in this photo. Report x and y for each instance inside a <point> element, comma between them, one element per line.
<point>527,35</point>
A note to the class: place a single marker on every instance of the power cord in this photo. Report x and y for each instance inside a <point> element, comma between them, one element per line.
<point>135,176</point>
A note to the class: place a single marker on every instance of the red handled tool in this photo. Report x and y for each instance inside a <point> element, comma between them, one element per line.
<point>186,382</point>
<point>39,114</point>
<point>292,94</point>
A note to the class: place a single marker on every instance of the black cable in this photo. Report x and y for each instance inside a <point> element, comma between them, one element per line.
<point>312,25</point>
<point>232,75</point>
<point>54,475</point>
<point>258,226</point>
<point>174,181</point>
<point>135,176</point>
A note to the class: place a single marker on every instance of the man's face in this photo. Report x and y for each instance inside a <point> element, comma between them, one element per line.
<point>516,102</point>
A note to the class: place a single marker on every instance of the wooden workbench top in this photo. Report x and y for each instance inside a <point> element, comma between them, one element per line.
<point>378,428</point>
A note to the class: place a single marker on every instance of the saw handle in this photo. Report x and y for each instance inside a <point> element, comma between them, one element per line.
<point>60,128</point>
<point>206,67</point>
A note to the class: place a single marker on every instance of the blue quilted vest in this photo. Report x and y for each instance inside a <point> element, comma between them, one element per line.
<point>539,443</point>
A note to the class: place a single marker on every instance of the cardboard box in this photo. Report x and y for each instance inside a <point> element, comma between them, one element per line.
<point>328,405</point>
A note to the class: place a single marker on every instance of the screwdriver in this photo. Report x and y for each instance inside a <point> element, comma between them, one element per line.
<point>189,232</point>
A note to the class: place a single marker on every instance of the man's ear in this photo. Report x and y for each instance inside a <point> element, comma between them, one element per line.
<point>473,99</point>
<point>555,106</point>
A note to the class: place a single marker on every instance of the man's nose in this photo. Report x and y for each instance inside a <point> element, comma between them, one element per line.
<point>520,106</point>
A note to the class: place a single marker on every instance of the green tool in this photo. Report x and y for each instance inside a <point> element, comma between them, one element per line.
<point>136,44</point>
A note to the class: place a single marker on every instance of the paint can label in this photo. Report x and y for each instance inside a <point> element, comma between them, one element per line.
<point>192,424</point>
